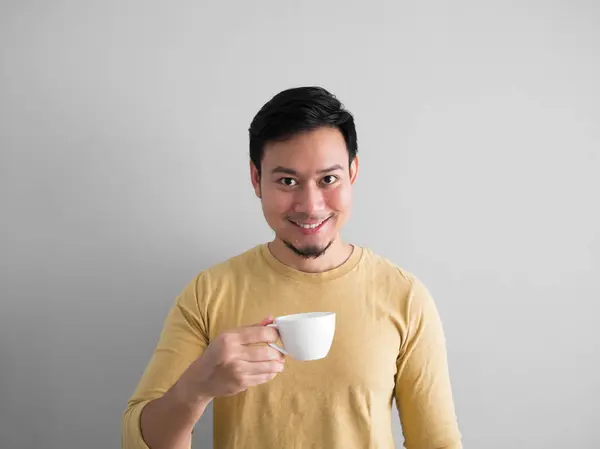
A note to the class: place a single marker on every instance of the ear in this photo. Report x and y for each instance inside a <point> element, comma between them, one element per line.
<point>354,170</point>
<point>255,178</point>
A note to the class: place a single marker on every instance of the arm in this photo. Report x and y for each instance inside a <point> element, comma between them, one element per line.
<point>168,422</point>
<point>423,390</point>
<point>160,414</point>
<point>186,373</point>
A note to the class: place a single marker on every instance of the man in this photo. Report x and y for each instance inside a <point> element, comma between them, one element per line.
<point>388,343</point>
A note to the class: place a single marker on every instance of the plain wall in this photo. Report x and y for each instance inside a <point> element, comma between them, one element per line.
<point>124,172</point>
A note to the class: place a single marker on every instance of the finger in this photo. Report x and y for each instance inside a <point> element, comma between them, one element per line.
<point>257,379</point>
<point>260,353</point>
<point>266,321</point>
<point>258,334</point>
<point>269,367</point>
<point>263,322</point>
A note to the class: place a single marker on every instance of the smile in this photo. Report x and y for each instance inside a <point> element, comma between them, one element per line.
<point>310,226</point>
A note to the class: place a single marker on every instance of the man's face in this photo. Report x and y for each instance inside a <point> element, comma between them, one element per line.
<point>305,187</point>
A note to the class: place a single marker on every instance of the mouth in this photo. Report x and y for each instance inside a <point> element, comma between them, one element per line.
<point>311,227</point>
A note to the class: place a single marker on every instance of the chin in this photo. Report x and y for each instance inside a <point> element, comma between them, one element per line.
<point>308,251</point>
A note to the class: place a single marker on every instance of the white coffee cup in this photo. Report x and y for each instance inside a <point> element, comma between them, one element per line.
<point>305,336</point>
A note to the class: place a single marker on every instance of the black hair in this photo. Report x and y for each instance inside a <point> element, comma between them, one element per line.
<point>297,110</point>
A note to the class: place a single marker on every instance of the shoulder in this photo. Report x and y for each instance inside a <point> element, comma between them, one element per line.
<point>401,282</point>
<point>382,267</point>
<point>240,263</point>
<point>194,299</point>
<point>224,271</point>
<point>228,269</point>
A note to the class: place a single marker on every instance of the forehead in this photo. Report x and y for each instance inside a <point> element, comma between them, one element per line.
<point>307,151</point>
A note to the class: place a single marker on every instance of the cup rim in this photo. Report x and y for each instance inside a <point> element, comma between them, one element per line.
<point>305,315</point>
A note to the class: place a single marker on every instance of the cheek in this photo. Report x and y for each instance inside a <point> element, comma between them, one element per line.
<point>276,202</point>
<point>339,200</point>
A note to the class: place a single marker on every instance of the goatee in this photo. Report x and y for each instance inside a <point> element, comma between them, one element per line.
<point>309,252</point>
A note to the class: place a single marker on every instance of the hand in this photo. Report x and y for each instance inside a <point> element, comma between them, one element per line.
<point>235,361</point>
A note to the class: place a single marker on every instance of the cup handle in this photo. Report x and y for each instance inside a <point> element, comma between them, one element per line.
<point>273,345</point>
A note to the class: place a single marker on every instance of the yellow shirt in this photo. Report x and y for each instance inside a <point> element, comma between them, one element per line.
<point>388,344</point>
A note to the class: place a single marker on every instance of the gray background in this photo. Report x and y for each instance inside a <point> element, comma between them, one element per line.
<point>124,171</point>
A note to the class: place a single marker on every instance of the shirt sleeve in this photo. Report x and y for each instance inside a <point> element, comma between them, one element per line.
<point>183,338</point>
<point>423,391</point>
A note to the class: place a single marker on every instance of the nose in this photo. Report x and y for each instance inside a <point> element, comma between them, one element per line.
<point>310,200</point>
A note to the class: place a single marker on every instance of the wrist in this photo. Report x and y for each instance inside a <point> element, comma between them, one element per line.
<point>188,397</point>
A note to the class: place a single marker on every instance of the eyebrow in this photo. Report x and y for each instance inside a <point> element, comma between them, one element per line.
<point>290,171</point>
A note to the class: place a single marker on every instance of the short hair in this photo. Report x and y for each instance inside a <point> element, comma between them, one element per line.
<point>297,110</point>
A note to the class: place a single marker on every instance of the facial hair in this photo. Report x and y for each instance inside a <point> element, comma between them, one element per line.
<point>310,252</point>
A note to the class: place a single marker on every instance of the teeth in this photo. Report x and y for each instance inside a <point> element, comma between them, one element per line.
<point>309,226</point>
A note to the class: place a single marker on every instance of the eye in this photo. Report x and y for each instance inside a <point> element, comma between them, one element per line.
<point>329,179</point>
<point>288,182</point>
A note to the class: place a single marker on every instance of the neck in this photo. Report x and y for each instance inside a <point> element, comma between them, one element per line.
<point>335,256</point>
